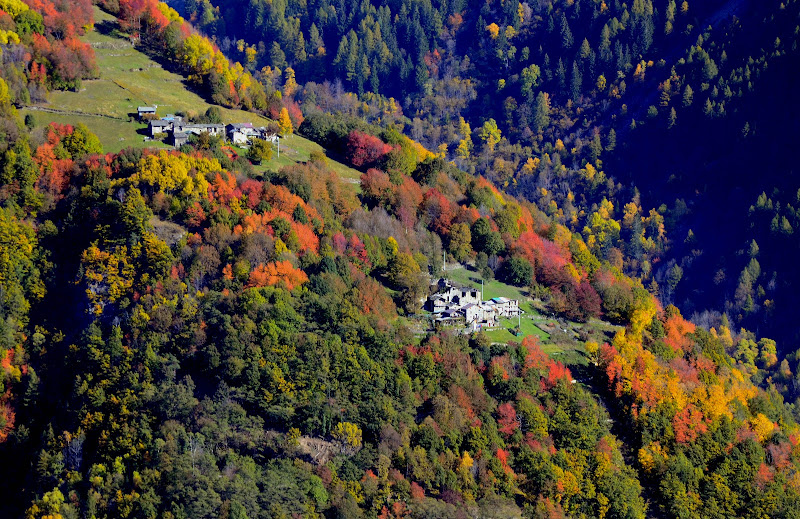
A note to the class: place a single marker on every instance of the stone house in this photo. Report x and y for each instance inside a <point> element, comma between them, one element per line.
<point>458,295</point>
<point>241,133</point>
<point>198,128</point>
<point>159,126</point>
<point>179,139</point>
<point>505,307</point>
<point>146,112</point>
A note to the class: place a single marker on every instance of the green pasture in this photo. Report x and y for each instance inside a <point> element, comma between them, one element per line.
<point>129,78</point>
<point>492,288</point>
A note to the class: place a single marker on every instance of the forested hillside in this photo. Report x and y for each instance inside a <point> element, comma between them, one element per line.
<point>185,335</point>
<point>567,104</point>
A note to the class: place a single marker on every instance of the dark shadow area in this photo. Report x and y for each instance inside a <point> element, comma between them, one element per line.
<point>106,27</point>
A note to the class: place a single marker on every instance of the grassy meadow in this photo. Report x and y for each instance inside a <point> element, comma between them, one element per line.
<point>128,79</point>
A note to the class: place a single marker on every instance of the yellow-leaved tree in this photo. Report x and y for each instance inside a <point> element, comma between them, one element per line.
<point>285,122</point>
<point>108,276</point>
<point>464,145</point>
<point>5,95</point>
<point>348,436</point>
<point>490,134</point>
<point>171,173</point>
<point>48,507</point>
<point>13,7</point>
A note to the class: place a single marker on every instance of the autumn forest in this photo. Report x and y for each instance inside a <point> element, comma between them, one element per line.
<point>239,331</point>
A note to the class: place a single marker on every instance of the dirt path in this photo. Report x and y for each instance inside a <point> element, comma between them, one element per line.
<point>70,112</point>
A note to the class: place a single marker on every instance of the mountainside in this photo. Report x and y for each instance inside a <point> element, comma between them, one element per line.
<point>652,95</point>
<point>213,331</point>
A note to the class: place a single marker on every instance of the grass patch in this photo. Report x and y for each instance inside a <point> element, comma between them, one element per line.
<point>527,327</point>
<point>570,356</point>
<point>465,276</point>
<point>294,149</point>
<point>114,135</point>
<point>565,346</point>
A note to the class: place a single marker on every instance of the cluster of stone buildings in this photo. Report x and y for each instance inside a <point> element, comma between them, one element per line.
<point>178,130</point>
<point>452,304</point>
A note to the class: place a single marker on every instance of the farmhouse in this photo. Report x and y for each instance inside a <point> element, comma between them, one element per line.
<point>487,316</point>
<point>267,135</point>
<point>179,131</point>
<point>472,312</point>
<point>146,112</point>
<point>504,306</point>
<point>179,139</point>
<point>198,128</point>
<point>455,295</point>
<point>449,316</point>
<point>241,133</point>
<point>452,303</point>
<point>159,126</point>
<point>437,304</point>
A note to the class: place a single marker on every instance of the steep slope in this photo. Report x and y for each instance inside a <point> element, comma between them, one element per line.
<point>669,103</point>
<point>233,345</point>
<point>128,78</point>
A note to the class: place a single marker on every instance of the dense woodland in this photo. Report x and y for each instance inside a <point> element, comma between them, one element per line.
<point>568,104</point>
<point>182,336</point>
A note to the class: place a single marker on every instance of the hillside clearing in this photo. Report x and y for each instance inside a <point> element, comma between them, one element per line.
<point>560,338</point>
<point>129,78</point>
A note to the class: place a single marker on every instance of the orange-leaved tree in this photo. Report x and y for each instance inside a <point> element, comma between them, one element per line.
<point>275,273</point>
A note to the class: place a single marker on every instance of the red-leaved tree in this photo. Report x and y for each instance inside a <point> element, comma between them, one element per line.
<point>364,149</point>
